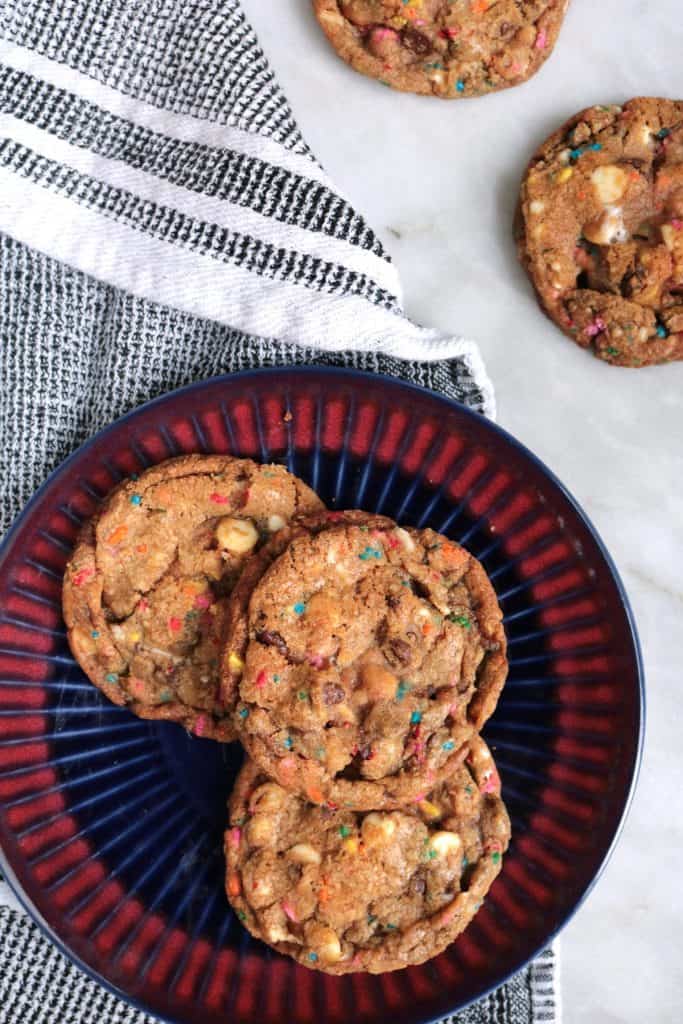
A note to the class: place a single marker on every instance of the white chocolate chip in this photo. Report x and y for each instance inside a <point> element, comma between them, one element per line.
<point>610,183</point>
<point>377,829</point>
<point>328,946</point>
<point>268,797</point>
<point>536,207</point>
<point>405,538</point>
<point>668,236</point>
<point>275,523</point>
<point>238,536</point>
<point>260,830</point>
<point>445,843</point>
<point>608,229</point>
<point>303,853</point>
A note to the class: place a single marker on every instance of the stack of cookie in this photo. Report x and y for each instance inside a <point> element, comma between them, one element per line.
<point>355,660</point>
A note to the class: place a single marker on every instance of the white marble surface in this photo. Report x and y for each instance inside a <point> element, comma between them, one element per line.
<point>438,181</point>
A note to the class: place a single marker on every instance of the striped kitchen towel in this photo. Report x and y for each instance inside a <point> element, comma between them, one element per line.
<point>162,220</point>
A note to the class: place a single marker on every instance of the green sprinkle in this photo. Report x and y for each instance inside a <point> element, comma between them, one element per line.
<point>402,689</point>
<point>431,854</point>
<point>135,476</point>
<point>299,608</point>
<point>243,713</point>
<point>461,620</point>
<point>276,679</point>
<point>371,918</point>
<point>448,745</point>
<point>415,717</point>
<point>135,499</point>
<point>313,957</point>
<point>664,133</point>
<point>469,789</point>
<point>320,753</point>
<point>495,857</point>
<point>302,695</point>
<point>612,351</point>
<point>344,831</point>
<point>112,677</point>
<point>390,927</point>
<point>95,635</point>
<point>165,696</point>
<point>242,916</point>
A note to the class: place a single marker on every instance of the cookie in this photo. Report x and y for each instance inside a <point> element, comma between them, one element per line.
<point>440,49</point>
<point>600,230</point>
<point>145,592</point>
<point>344,891</point>
<point>373,653</point>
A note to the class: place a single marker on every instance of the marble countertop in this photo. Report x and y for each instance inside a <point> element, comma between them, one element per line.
<point>438,181</point>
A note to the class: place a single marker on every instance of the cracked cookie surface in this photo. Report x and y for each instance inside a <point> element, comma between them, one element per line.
<point>451,50</point>
<point>370,654</point>
<point>600,230</point>
<point>344,891</point>
<point>145,590</point>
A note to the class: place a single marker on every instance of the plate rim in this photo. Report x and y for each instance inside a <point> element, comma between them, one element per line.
<point>309,369</point>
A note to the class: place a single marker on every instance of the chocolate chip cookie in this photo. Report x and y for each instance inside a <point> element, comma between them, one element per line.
<point>373,653</point>
<point>145,591</point>
<point>451,50</point>
<point>344,891</point>
<point>600,230</point>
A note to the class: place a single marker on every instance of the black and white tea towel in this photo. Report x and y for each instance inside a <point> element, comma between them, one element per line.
<point>162,220</point>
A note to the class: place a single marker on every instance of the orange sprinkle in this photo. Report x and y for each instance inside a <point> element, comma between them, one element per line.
<point>426,629</point>
<point>234,887</point>
<point>323,893</point>
<point>480,6</point>
<point>117,535</point>
<point>314,794</point>
<point>141,549</point>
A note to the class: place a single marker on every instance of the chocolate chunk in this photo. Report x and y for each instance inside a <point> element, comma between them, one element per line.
<point>416,42</point>
<point>333,694</point>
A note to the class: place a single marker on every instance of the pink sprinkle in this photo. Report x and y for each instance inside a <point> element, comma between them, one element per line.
<point>203,601</point>
<point>453,709</point>
<point>174,624</point>
<point>516,67</point>
<point>420,796</point>
<point>316,660</point>
<point>83,576</point>
<point>597,327</point>
<point>261,678</point>
<point>383,33</point>
<point>334,517</point>
<point>541,40</point>
<point>219,499</point>
<point>234,836</point>
<point>200,725</point>
<point>677,224</point>
<point>143,604</point>
<point>289,911</point>
<point>490,783</point>
<point>449,33</point>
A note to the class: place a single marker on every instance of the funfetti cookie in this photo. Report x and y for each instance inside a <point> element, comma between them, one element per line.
<point>450,50</point>
<point>145,591</point>
<point>373,653</point>
<point>343,891</point>
<point>600,230</point>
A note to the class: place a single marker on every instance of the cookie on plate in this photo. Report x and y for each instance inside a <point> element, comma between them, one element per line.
<point>145,591</point>
<point>600,230</point>
<point>440,49</point>
<point>344,891</point>
<point>372,655</point>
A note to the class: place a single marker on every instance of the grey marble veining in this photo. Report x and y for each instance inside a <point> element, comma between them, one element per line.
<point>439,180</point>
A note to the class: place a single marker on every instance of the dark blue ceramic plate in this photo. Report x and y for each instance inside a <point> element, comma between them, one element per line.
<point>111,827</point>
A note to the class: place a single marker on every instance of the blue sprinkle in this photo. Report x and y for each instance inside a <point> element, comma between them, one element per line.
<point>663,134</point>
<point>596,147</point>
<point>299,607</point>
<point>135,499</point>
<point>662,332</point>
<point>112,677</point>
<point>415,717</point>
<point>460,85</point>
<point>448,745</point>
<point>313,957</point>
<point>465,862</point>
<point>289,743</point>
<point>402,689</point>
<point>95,635</point>
<point>243,712</point>
<point>575,153</point>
